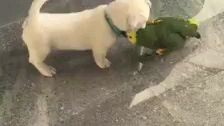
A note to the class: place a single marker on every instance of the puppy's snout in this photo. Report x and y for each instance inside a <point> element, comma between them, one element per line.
<point>140,25</point>
<point>143,26</point>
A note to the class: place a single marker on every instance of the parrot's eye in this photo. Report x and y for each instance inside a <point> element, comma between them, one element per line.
<point>130,37</point>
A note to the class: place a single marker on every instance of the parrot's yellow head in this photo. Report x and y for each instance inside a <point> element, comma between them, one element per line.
<point>193,21</point>
<point>132,37</point>
<point>189,28</point>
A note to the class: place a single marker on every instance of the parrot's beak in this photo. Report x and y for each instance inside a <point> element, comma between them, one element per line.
<point>198,35</point>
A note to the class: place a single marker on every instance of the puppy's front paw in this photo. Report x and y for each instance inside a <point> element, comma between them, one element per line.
<point>105,64</point>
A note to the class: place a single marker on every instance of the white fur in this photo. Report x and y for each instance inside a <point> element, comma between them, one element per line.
<point>86,30</point>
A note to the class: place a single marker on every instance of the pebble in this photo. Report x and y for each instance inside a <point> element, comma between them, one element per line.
<point>33,84</point>
<point>62,108</point>
<point>204,100</point>
<point>61,119</point>
<point>75,113</point>
<point>144,117</point>
<point>174,89</point>
<point>64,82</point>
<point>171,62</point>
<point>200,85</point>
<point>135,73</point>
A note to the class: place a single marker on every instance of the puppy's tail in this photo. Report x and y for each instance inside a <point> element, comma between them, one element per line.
<point>34,11</point>
<point>35,8</point>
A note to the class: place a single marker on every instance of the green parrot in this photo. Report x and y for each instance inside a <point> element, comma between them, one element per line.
<point>165,34</point>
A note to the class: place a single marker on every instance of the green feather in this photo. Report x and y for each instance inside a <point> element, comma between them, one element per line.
<point>169,33</point>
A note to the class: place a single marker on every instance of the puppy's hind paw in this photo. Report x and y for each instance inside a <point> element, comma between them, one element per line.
<point>107,63</point>
<point>49,71</point>
<point>53,70</point>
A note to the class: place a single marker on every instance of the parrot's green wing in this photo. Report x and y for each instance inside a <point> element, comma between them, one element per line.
<point>147,37</point>
<point>174,41</point>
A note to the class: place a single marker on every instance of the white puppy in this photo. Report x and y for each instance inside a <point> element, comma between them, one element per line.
<point>86,30</point>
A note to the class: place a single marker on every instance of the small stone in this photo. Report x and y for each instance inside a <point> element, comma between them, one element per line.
<point>144,117</point>
<point>184,75</point>
<point>200,85</point>
<point>61,108</point>
<point>75,113</point>
<point>135,73</point>
<point>61,119</point>
<point>32,84</point>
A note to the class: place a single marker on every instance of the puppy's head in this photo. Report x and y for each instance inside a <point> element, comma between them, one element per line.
<point>129,15</point>
<point>138,14</point>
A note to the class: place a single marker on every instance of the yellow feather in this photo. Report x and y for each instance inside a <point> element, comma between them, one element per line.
<point>132,37</point>
<point>193,21</point>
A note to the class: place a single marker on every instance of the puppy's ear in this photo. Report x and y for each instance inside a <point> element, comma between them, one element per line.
<point>149,3</point>
<point>136,22</point>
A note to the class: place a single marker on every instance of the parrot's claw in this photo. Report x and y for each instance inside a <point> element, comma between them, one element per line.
<point>140,66</point>
<point>135,73</point>
<point>160,52</point>
<point>153,22</point>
